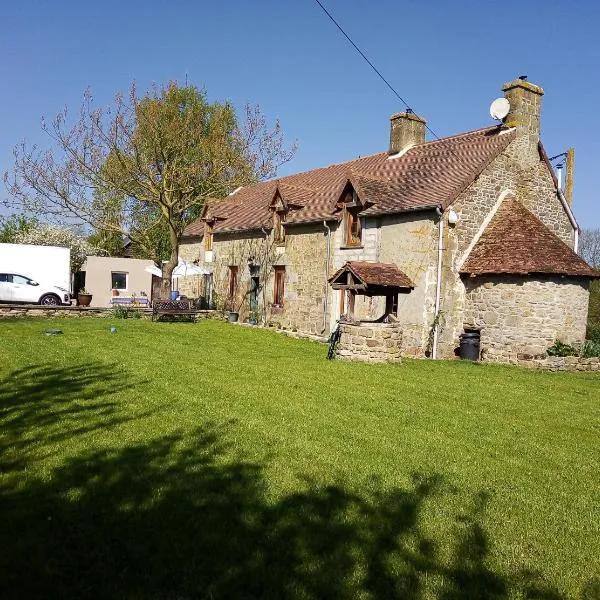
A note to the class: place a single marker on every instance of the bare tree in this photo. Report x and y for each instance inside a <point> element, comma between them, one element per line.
<point>143,168</point>
<point>589,246</point>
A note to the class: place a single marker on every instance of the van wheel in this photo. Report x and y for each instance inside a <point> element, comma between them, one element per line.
<point>50,300</point>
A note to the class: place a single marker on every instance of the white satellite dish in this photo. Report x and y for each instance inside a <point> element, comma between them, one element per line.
<point>499,108</point>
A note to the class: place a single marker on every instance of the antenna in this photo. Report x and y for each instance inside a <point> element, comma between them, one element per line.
<point>499,108</point>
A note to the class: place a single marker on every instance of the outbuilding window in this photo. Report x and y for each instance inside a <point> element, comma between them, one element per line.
<point>118,280</point>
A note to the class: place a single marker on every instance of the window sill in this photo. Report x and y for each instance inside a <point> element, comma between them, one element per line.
<point>346,247</point>
<point>277,309</point>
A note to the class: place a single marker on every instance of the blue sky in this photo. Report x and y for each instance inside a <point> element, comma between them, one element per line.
<point>448,59</point>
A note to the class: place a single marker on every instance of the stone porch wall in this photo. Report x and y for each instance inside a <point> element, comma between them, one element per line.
<point>377,342</point>
<point>525,315</point>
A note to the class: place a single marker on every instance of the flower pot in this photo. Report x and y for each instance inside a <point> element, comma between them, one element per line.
<point>115,292</point>
<point>252,321</point>
<point>84,299</point>
<point>233,316</point>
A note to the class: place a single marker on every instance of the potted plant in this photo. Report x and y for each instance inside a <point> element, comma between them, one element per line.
<point>84,298</point>
<point>115,292</point>
<point>253,317</point>
<point>234,313</point>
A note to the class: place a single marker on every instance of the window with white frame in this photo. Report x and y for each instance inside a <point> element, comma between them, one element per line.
<point>118,280</point>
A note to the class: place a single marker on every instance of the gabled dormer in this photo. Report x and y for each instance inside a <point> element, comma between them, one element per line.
<point>279,209</point>
<point>350,203</point>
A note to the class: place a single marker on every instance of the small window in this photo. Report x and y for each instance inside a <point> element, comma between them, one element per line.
<point>119,281</point>
<point>20,279</point>
<point>278,227</point>
<point>233,275</point>
<point>353,228</point>
<point>208,238</point>
<point>5,278</point>
<point>279,290</point>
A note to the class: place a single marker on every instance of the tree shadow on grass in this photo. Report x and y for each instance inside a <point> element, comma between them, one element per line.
<point>56,404</point>
<point>180,517</point>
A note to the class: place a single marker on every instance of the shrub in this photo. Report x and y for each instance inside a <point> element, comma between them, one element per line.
<point>561,349</point>
<point>590,349</point>
<point>126,312</point>
<point>593,333</point>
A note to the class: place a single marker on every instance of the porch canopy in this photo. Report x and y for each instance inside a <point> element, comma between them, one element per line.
<point>372,279</point>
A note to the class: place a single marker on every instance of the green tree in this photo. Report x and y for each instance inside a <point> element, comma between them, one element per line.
<point>143,168</point>
<point>589,249</point>
<point>13,226</point>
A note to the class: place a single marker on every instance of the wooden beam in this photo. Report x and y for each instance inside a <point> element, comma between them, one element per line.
<point>351,300</point>
<point>345,286</point>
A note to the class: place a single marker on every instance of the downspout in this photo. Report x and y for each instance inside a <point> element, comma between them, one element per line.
<point>569,212</point>
<point>326,303</point>
<point>264,294</point>
<point>438,283</point>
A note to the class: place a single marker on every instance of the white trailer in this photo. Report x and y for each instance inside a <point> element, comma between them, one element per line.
<point>31,273</point>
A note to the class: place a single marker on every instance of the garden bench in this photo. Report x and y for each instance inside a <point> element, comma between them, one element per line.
<point>174,308</point>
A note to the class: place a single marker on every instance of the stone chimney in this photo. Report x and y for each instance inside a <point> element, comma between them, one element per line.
<point>525,106</point>
<point>406,129</point>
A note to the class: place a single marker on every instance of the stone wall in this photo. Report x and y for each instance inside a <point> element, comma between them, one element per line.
<point>525,315</point>
<point>15,311</point>
<point>519,171</point>
<point>370,342</point>
<point>304,256</point>
<point>408,240</point>
<point>560,363</point>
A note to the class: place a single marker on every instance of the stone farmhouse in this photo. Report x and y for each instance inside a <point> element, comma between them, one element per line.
<point>469,232</point>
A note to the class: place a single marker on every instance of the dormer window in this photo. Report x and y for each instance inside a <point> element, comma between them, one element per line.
<point>279,209</point>
<point>278,226</point>
<point>351,206</point>
<point>353,227</point>
<point>208,237</point>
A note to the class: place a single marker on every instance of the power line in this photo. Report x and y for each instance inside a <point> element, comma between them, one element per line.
<point>389,85</point>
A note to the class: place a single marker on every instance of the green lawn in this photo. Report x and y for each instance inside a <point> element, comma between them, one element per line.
<point>180,460</point>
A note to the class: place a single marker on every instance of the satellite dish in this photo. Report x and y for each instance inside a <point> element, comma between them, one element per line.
<point>499,108</point>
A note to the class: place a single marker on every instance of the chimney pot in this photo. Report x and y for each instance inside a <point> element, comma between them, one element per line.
<point>406,129</point>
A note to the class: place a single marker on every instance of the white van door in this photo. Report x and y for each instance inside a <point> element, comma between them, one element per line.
<point>5,287</point>
<point>23,291</point>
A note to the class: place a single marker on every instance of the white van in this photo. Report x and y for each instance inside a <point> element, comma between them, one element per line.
<point>17,288</point>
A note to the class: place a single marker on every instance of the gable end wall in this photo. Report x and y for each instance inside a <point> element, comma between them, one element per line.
<point>532,185</point>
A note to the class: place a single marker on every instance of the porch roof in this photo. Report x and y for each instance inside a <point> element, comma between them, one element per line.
<point>371,277</point>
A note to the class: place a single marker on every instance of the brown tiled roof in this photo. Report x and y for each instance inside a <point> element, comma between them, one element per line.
<point>516,242</point>
<point>428,175</point>
<point>375,274</point>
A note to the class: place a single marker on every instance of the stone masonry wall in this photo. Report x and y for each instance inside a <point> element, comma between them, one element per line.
<point>520,170</point>
<point>303,255</point>
<point>377,342</point>
<point>408,240</point>
<point>525,315</point>
<point>560,363</point>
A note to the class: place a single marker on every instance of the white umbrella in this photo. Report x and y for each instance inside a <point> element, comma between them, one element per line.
<point>186,269</point>
<point>154,270</point>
